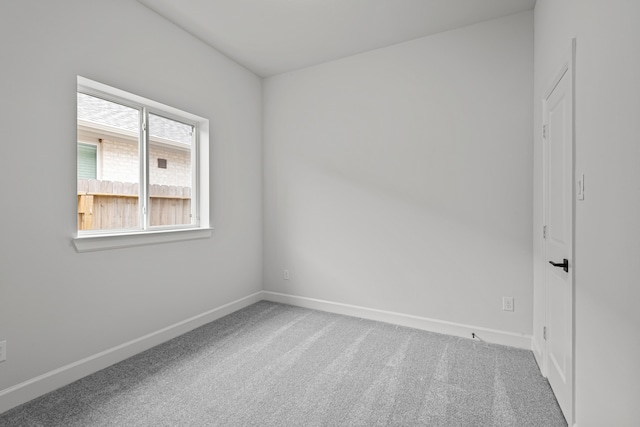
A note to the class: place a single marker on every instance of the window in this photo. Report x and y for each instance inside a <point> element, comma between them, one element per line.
<point>142,174</point>
<point>87,161</point>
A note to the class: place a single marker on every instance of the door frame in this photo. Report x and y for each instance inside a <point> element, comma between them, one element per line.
<point>566,70</point>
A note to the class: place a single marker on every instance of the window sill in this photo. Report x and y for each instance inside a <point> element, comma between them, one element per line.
<point>116,241</point>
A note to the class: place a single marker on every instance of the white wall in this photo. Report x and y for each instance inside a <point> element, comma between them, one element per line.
<point>178,170</point>
<point>120,161</point>
<point>607,240</point>
<point>608,231</point>
<point>400,179</point>
<point>58,306</point>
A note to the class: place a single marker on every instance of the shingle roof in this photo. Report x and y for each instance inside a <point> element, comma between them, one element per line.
<point>97,110</point>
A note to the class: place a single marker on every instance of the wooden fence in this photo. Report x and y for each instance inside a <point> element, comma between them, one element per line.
<point>104,205</point>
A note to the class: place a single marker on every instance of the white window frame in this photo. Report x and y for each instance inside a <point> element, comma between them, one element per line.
<point>93,240</point>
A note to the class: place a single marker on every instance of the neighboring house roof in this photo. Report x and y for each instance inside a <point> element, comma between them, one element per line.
<point>96,110</point>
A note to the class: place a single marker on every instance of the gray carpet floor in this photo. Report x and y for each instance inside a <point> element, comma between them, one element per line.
<point>277,365</point>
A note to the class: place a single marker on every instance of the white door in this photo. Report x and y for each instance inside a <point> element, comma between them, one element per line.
<point>558,198</point>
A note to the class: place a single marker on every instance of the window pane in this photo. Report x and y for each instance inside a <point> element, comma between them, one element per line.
<point>170,171</point>
<point>108,196</point>
<point>87,161</point>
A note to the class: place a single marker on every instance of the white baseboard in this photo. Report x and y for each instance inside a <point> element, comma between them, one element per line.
<point>440,326</point>
<point>42,384</point>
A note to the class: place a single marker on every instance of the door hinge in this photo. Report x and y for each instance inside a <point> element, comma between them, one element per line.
<point>544,131</point>
<point>544,231</point>
<point>544,333</point>
<point>144,126</point>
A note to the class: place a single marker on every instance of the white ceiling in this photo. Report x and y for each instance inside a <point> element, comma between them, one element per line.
<point>274,36</point>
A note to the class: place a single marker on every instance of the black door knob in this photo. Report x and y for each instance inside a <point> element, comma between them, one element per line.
<point>564,264</point>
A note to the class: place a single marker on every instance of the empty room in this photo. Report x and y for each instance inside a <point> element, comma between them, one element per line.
<point>320,212</point>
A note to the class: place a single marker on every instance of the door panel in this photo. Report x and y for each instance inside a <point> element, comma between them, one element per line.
<point>559,241</point>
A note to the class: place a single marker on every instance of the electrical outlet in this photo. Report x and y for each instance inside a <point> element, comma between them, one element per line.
<point>507,303</point>
<point>3,351</point>
<point>285,274</point>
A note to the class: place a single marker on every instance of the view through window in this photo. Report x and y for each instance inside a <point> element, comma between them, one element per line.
<point>135,167</point>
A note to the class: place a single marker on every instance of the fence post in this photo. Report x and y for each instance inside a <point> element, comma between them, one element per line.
<point>85,212</point>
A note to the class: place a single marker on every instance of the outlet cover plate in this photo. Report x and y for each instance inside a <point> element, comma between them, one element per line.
<point>507,303</point>
<point>3,351</point>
